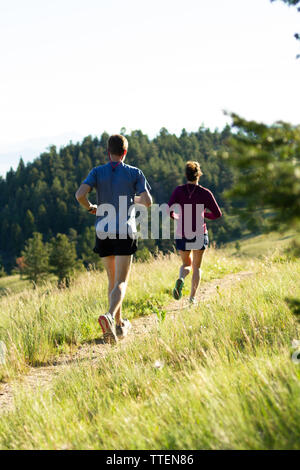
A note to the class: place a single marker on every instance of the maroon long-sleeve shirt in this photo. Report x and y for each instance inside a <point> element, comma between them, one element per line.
<point>194,195</point>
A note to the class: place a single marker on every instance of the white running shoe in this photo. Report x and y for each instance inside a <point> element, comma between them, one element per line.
<point>122,330</point>
<point>193,301</point>
<point>108,327</point>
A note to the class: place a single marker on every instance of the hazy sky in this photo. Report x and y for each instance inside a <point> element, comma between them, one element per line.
<point>70,68</point>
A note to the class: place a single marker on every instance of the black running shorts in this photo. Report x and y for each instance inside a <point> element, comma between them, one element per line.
<point>115,247</point>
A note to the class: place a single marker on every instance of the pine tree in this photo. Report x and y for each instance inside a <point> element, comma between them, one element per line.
<point>2,270</point>
<point>20,262</point>
<point>63,258</point>
<point>86,244</point>
<point>36,259</point>
<point>268,160</point>
<point>29,223</point>
<point>292,3</point>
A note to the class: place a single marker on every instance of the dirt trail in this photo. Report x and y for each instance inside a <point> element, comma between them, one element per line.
<point>41,377</point>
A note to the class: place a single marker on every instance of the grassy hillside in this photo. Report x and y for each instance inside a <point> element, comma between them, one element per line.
<point>215,376</point>
<point>263,245</point>
<point>37,325</point>
<point>12,284</point>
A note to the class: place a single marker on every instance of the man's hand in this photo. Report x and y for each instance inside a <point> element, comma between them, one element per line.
<point>81,196</point>
<point>144,199</point>
<point>93,209</point>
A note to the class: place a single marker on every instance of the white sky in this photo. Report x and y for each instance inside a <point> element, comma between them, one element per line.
<point>70,68</point>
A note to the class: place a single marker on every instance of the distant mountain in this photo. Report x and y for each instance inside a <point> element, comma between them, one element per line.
<point>30,149</point>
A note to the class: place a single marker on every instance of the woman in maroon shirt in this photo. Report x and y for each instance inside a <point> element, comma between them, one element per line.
<point>192,200</point>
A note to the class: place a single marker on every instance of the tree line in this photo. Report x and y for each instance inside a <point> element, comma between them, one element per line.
<point>39,196</point>
<point>250,168</point>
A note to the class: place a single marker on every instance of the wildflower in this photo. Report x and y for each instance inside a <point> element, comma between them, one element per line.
<point>296,343</point>
<point>158,364</point>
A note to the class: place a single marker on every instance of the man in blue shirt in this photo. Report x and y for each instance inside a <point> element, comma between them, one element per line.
<point>118,186</point>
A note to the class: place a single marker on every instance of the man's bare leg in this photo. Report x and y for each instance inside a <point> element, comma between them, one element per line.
<point>110,267</point>
<point>196,264</point>
<point>122,271</point>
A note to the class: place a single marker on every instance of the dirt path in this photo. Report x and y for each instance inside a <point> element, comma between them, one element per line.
<point>40,377</point>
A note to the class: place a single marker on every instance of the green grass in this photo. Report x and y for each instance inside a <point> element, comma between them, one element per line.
<point>217,376</point>
<point>225,378</point>
<point>12,284</point>
<point>37,325</point>
<point>262,245</point>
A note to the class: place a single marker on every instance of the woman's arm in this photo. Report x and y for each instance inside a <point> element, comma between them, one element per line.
<point>173,200</point>
<point>210,215</point>
<point>211,204</point>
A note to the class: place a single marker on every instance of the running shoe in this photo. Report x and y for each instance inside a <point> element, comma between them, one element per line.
<point>122,330</point>
<point>193,301</point>
<point>177,291</point>
<point>108,327</point>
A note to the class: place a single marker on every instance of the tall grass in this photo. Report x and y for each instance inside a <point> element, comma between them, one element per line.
<point>12,284</point>
<point>37,325</point>
<point>217,376</point>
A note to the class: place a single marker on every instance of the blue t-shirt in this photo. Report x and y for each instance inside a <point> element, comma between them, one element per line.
<point>111,183</point>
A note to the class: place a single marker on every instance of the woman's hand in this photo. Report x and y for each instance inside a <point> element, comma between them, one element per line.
<point>174,216</point>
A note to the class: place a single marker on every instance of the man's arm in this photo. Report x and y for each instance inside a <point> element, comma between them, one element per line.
<point>144,198</point>
<point>81,196</point>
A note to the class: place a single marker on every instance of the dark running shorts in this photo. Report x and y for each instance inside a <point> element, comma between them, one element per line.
<point>117,247</point>
<point>181,243</point>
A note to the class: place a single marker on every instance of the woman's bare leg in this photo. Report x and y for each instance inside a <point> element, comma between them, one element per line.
<point>196,264</point>
<point>185,268</point>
